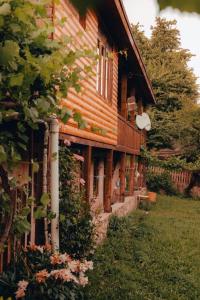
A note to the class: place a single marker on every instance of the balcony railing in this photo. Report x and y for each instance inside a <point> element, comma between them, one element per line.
<point>129,137</point>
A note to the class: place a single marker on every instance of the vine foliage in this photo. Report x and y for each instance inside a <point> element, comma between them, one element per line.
<point>76,227</point>
<point>36,72</point>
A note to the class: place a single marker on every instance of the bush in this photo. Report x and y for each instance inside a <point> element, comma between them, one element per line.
<point>38,273</point>
<point>145,205</point>
<point>160,182</point>
<point>116,225</point>
<point>76,228</point>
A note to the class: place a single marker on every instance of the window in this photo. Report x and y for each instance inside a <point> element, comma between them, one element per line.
<point>104,71</point>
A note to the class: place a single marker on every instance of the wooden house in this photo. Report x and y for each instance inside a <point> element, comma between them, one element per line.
<point>111,97</point>
<point>118,89</point>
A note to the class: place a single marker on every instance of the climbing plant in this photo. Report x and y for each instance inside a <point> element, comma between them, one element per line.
<point>36,72</point>
<point>76,227</point>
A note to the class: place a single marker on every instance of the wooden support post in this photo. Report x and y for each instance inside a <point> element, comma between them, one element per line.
<point>132,175</point>
<point>122,176</point>
<point>140,107</point>
<point>87,170</point>
<point>108,181</point>
<point>124,96</point>
<point>140,170</point>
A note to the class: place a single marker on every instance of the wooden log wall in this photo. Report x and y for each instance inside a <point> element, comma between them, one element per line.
<point>96,111</point>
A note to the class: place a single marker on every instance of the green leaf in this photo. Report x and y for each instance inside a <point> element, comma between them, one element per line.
<point>30,200</point>
<point>45,199</point>
<point>15,155</point>
<point>43,105</point>
<point>51,215</point>
<point>82,124</point>
<point>1,21</point>
<point>66,114</point>
<point>40,213</point>
<point>35,167</point>
<point>22,146</point>
<point>15,27</point>
<point>3,155</point>
<point>25,211</point>
<point>8,52</point>
<point>5,9</point>
<point>16,80</point>
<point>32,113</point>
<point>62,218</point>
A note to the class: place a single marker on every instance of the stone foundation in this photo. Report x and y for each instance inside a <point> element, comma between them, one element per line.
<point>101,221</point>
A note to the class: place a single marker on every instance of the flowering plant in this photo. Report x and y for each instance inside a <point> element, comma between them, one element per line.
<point>38,273</point>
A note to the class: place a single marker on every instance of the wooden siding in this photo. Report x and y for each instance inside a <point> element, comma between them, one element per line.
<point>96,111</point>
<point>129,138</point>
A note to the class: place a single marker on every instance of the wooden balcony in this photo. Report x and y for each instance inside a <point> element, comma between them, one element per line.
<point>130,139</point>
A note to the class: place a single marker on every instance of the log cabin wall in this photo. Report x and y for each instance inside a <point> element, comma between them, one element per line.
<point>98,112</point>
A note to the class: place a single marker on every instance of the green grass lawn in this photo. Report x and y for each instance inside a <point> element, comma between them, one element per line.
<point>150,256</point>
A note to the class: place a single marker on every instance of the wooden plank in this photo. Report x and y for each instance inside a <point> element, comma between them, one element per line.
<point>87,170</point>
<point>108,181</point>
<point>122,176</point>
<point>83,141</point>
<point>124,96</point>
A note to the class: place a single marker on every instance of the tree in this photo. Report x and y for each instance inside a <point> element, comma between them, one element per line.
<point>188,6</point>
<point>174,83</point>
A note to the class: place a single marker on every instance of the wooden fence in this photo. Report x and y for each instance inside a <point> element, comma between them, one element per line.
<point>180,180</point>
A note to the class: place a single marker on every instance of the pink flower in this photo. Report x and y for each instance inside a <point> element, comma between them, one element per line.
<point>67,142</point>
<point>64,275</point>
<point>41,276</point>
<point>83,280</point>
<point>58,259</point>
<point>19,293</point>
<point>48,247</point>
<point>55,259</point>
<point>40,249</point>
<point>86,265</point>
<point>82,181</point>
<point>74,266</point>
<point>22,285</point>
<point>79,157</point>
<point>34,247</point>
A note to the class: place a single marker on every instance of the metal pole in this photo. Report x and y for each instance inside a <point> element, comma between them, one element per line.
<point>54,181</point>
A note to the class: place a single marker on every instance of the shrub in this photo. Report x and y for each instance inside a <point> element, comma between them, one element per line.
<point>160,182</point>
<point>76,228</point>
<point>116,225</point>
<point>145,205</point>
<point>37,273</point>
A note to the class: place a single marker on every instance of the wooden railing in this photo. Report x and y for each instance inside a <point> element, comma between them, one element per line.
<point>129,137</point>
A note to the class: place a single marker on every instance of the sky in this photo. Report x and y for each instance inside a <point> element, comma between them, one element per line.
<point>145,12</point>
